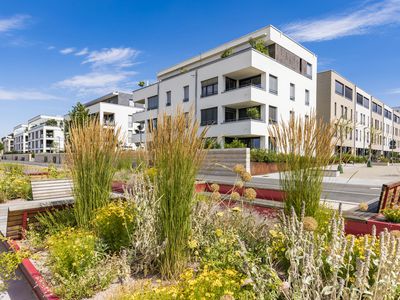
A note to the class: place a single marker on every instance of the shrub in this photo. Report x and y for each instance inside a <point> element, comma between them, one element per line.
<point>114,224</point>
<point>72,252</point>
<point>265,155</point>
<point>92,152</point>
<point>9,262</point>
<point>235,144</point>
<point>176,149</point>
<point>259,45</point>
<point>14,184</point>
<point>307,145</point>
<point>54,221</point>
<point>392,214</point>
<point>55,173</point>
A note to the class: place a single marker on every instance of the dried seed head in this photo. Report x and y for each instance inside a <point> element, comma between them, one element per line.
<point>239,169</point>
<point>214,187</point>
<point>310,224</point>
<point>227,297</point>
<point>215,196</point>
<point>363,206</point>
<point>250,194</point>
<point>395,233</point>
<point>239,184</point>
<point>246,177</point>
<point>235,196</point>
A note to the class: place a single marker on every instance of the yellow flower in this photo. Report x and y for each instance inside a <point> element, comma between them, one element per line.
<point>219,232</point>
<point>192,244</point>
<point>236,209</point>
<point>219,214</point>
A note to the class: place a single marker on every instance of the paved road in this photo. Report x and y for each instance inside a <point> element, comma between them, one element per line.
<point>17,289</point>
<point>340,192</point>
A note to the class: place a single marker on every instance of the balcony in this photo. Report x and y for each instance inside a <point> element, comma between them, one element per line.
<point>238,128</point>
<point>246,96</point>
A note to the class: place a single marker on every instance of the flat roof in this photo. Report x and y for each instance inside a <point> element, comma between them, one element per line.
<point>105,97</point>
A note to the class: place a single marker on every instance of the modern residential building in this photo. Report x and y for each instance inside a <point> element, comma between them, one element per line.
<point>116,109</point>
<point>363,120</point>
<point>8,143</point>
<point>21,138</point>
<point>237,89</point>
<point>46,134</point>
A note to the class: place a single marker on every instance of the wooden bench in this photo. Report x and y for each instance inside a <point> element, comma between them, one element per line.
<point>390,195</point>
<point>47,195</point>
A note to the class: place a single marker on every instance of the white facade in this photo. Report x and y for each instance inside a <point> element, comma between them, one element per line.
<point>8,143</point>
<point>222,88</point>
<point>116,110</point>
<point>21,138</point>
<point>46,134</point>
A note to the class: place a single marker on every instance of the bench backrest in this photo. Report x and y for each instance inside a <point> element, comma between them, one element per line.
<point>52,189</point>
<point>390,195</point>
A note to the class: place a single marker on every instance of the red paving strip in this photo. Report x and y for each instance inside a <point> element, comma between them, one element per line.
<point>33,276</point>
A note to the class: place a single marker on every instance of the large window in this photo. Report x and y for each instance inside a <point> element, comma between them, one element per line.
<point>230,84</point>
<point>169,98</point>
<point>307,97</point>
<point>250,113</point>
<point>249,142</point>
<point>292,91</point>
<point>209,116</point>
<point>360,99</point>
<point>273,84</point>
<point>309,70</point>
<point>273,115</point>
<point>230,114</point>
<point>186,93</point>
<point>152,102</point>
<point>255,80</point>
<point>339,88</point>
<point>209,87</point>
<point>388,114</point>
<point>348,93</point>
<point>376,108</point>
<point>366,102</point>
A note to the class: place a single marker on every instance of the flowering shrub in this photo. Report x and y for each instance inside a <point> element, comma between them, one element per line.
<point>14,184</point>
<point>114,224</point>
<point>9,262</point>
<point>206,284</point>
<point>72,251</point>
<point>392,214</point>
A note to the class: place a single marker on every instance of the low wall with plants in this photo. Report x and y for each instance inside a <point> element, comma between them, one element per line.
<point>219,162</point>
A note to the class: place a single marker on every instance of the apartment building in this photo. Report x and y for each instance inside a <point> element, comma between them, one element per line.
<point>21,138</point>
<point>8,143</point>
<point>361,119</point>
<point>116,110</point>
<point>46,134</point>
<point>236,89</point>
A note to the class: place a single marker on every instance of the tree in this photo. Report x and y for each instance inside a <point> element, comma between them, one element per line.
<point>1,146</point>
<point>374,132</point>
<point>77,116</point>
<point>51,122</point>
<point>343,127</point>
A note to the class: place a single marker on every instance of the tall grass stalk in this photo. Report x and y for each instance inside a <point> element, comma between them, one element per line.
<point>92,152</point>
<point>176,149</point>
<point>308,146</point>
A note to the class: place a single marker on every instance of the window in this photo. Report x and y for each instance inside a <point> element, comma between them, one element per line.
<point>341,111</point>
<point>169,98</point>
<point>273,84</point>
<point>292,91</point>
<point>130,136</point>
<point>335,108</point>
<point>307,97</point>
<point>130,121</point>
<point>360,99</point>
<point>376,108</point>
<point>230,114</point>
<point>230,84</point>
<point>348,93</point>
<point>209,116</point>
<point>209,87</point>
<point>152,124</point>
<point>273,115</point>
<point>366,102</point>
<point>345,112</point>
<point>388,114</point>
<point>245,114</point>
<point>309,70</point>
<point>255,80</point>
<point>339,88</point>
<point>356,134</point>
<point>272,143</point>
<point>186,93</point>
<point>152,102</point>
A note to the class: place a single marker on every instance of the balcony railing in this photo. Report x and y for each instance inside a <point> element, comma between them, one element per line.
<point>242,119</point>
<point>258,86</point>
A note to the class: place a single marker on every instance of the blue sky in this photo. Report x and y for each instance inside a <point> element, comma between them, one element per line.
<point>55,53</point>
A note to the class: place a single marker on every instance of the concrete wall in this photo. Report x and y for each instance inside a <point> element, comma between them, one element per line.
<point>219,162</point>
<point>17,157</point>
<point>55,158</point>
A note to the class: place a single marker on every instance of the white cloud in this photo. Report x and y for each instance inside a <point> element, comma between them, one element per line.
<point>67,51</point>
<point>356,22</point>
<point>27,95</point>
<point>121,57</point>
<point>84,51</point>
<point>14,22</point>
<point>394,91</point>
<point>51,48</point>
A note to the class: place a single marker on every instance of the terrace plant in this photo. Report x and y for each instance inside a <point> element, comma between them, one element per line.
<point>92,152</point>
<point>176,150</point>
<point>307,147</point>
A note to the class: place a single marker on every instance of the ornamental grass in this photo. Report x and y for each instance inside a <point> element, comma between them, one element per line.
<point>307,145</point>
<point>92,152</point>
<point>176,149</point>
